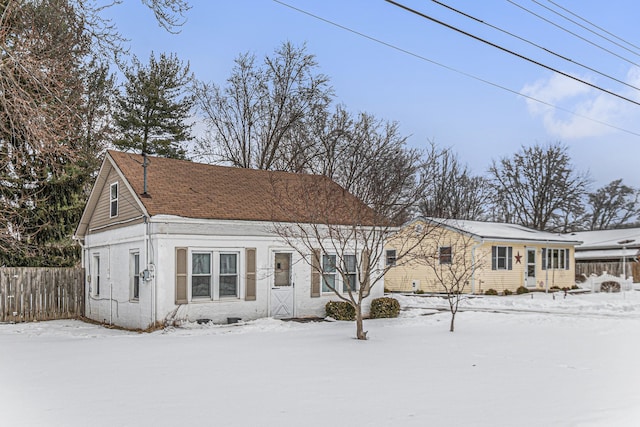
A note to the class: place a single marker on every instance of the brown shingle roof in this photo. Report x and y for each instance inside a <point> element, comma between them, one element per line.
<point>196,190</point>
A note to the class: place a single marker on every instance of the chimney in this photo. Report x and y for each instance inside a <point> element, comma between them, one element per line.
<point>144,166</point>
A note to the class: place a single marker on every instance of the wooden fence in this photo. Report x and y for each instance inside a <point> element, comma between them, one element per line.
<point>28,294</point>
<point>612,267</point>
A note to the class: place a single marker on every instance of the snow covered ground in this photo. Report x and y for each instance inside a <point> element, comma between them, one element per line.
<point>513,361</point>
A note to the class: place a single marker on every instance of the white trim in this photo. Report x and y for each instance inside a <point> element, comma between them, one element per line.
<point>214,274</point>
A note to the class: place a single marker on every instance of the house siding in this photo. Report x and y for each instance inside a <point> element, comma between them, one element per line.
<point>401,277</point>
<point>129,211</point>
<point>157,301</point>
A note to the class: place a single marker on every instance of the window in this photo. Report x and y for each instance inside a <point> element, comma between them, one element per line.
<point>228,275</point>
<point>501,257</point>
<point>201,275</point>
<point>445,254</point>
<point>96,275</point>
<point>350,273</point>
<point>391,257</point>
<point>214,275</point>
<point>135,275</point>
<point>555,259</point>
<point>332,280</point>
<point>113,200</point>
<point>328,273</point>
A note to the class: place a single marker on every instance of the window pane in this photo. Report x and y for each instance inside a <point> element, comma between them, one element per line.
<point>201,264</point>
<point>228,286</point>
<point>114,191</point>
<point>350,263</point>
<point>201,286</point>
<point>328,263</point>
<point>328,280</point>
<point>391,257</point>
<point>228,264</point>
<point>350,283</point>
<point>136,275</point>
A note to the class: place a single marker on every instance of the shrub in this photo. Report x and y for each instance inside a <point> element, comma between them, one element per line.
<point>554,288</point>
<point>419,292</point>
<point>491,292</point>
<point>507,292</point>
<point>340,310</point>
<point>575,287</point>
<point>522,290</point>
<point>384,307</point>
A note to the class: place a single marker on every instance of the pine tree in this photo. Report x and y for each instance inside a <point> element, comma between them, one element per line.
<point>154,107</point>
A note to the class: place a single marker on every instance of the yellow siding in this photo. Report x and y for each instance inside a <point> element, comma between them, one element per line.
<point>400,277</point>
<point>129,211</point>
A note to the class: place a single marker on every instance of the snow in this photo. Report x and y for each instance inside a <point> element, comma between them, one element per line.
<point>607,238</point>
<point>513,361</point>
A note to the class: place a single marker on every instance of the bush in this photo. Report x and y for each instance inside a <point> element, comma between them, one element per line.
<point>419,292</point>
<point>575,287</point>
<point>522,290</point>
<point>384,307</point>
<point>340,310</point>
<point>491,292</point>
<point>507,292</point>
<point>554,288</point>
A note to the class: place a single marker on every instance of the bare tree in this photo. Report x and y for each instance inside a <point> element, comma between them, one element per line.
<point>613,205</point>
<point>451,190</point>
<point>538,188</point>
<point>256,120</point>
<point>339,237</point>
<point>450,260</point>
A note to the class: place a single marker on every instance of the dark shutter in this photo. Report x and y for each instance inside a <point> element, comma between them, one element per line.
<point>366,269</point>
<point>509,258</point>
<point>250,284</point>
<point>181,276</point>
<point>315,273</point>
<point>566,259</point>
<point>494,257</point>
<point>544,258</point>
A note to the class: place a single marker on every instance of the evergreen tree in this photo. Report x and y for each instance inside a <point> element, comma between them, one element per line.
<point>155,106</point>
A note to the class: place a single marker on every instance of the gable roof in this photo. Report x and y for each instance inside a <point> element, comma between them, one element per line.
<point>608,239</point>
<point>500,231</point>
<point>202,191</point>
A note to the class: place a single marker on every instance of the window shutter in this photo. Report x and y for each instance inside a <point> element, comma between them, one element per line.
<point>181,276</point>
<point>544,258</point>
<point>494,258</point>
<point>250,284</point>
<point>509,258</point>
<point>567,263</point>
<point>366,268</point>
<point>315,273</point>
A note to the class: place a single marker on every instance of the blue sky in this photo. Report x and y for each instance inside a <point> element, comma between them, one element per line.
<point>430,102</point>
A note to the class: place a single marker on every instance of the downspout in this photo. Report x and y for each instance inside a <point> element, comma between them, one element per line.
<point>473,265</point>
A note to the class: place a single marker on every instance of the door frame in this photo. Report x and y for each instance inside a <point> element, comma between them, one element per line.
<point>527,281</point>
<point>273,287</point>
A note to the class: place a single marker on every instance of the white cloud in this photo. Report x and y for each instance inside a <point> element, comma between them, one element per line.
<point>586,102</point>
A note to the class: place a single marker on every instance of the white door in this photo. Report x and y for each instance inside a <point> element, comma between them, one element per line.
<point>530,272</point>
<point>282,288</point>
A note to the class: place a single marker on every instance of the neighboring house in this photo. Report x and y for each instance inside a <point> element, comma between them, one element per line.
<point>492,255</point>
<point>177,240</point>
<point>610,251</point>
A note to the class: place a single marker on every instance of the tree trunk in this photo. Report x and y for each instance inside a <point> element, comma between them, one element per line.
<point>453,318</point>
<point>361,334</point>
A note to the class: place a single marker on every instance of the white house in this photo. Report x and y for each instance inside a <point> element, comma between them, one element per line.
<point>610,251</point>
<point>166,239</point>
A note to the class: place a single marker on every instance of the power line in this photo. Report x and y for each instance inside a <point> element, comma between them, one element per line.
<point>540,64</point>
<point>471,76</point>
<point>588,29</point>
<point>535,45</point>
<point>574,34</point>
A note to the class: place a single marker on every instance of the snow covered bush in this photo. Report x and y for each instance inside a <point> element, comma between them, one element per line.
<point>522,290</point>
<point>491,291</point>
<point>507,292</point>
<point>340,310</point>
<point>384,307</point>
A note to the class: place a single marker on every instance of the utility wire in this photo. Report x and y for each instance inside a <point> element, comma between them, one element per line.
<point>574,34</point>
<point>471,76</point>
<point>586,28</point>
<point>540,64</point>
<point>592,24</point>
<point>535,45</point>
